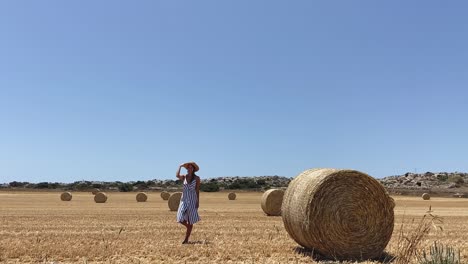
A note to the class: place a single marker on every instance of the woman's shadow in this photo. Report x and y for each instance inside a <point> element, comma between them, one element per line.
<point>199,242</point>
<point>384,258</point>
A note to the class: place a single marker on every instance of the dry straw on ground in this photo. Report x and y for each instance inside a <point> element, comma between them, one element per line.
<point>239,233</point>
<point>341,214</point>
<point>141,197</point>
<point>66,196</point>
<point>165,196</point>
<point>426,196</point>
<point>95,191</point>
<point>100,197</point>
<point>232,196</point>
<point>174,201</point>
<point>271,202</point>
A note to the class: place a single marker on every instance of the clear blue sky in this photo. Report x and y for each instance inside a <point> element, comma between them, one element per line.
<point>127,90</point>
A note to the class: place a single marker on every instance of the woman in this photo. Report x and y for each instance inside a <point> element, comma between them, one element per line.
<point>187,214</point>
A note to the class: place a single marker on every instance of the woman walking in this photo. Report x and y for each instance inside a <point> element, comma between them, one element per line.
<point>187,214</point>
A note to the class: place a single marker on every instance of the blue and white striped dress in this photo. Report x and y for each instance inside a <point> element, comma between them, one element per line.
<point>188,204</point>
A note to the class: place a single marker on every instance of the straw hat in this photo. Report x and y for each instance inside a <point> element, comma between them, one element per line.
<point>195,166</point>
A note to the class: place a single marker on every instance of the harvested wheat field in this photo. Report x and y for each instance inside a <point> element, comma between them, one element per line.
<point>39,228</point>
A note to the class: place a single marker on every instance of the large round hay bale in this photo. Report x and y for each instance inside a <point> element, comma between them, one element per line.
<point>141,197</point>
<point>232,196</point>
<point>426,196</point>
<point>271,202</point>
<point>341,214</point>
<point>174,201</point>
<point>66,196</point>
<point>100,197</point>
<point>165,196</point>
<point>95,191</point>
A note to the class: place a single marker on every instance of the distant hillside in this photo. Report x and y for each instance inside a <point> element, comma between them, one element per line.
<point>444,182</point>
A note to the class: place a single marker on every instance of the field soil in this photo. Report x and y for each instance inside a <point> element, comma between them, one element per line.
<point>36,227</point>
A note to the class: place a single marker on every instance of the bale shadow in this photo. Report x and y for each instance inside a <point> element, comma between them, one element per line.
<point>384,258</point>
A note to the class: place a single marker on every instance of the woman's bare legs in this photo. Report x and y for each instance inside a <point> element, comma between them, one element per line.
<point>189,231</point>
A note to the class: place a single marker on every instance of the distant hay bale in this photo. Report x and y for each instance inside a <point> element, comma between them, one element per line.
<point>459,195</point>
<point>100,197</point>
<point>174,201</point>
<point>232,196</point>
<point>66,196</point>
<point>141,197</point>
<point>341,214</point>
<point>165,196</point>
<point>95,191</point>
<point>271,202</point>
<point>426,196</point>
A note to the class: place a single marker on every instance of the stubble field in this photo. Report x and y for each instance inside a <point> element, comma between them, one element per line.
<point>39,228</point>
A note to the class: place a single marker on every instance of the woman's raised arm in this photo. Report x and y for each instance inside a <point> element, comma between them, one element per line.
<point>180,177</point>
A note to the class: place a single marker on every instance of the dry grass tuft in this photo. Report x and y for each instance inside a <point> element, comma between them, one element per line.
<point>409,241</point>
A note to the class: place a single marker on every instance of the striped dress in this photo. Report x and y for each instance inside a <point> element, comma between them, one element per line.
<point>188,204</point>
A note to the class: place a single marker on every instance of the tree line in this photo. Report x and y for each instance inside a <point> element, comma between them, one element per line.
<point>210,185</point>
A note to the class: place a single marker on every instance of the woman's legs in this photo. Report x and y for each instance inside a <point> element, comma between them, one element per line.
<point>187,234</point>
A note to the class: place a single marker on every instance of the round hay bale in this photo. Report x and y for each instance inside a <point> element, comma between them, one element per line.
<point>426,196</point>
<point>141,197</point>
<point>174,201</point>
<point>165,196</point>
<point>100,197</point>
<point>271,202</point>
<point>95,191</point>
<point>66,196</point>
<point>341,214</point>
<point>232,196</point>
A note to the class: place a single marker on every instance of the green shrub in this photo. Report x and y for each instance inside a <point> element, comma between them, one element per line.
<point>440,254</point>
<point>442,177</point>
<point>209,187</point>
<point>125,187</point>
<point>456,179</point>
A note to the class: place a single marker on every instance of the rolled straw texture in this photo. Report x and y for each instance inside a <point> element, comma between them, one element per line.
<point>100,197</point>
<point>426,196</point>
<point>271,202</point>
<point>232,196</point>
<point>95,191</point>
<point>141,197</point>
<point>341,214</point>
<point>165,196</point>
<point>174,201</point>
<point>66,196</point>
